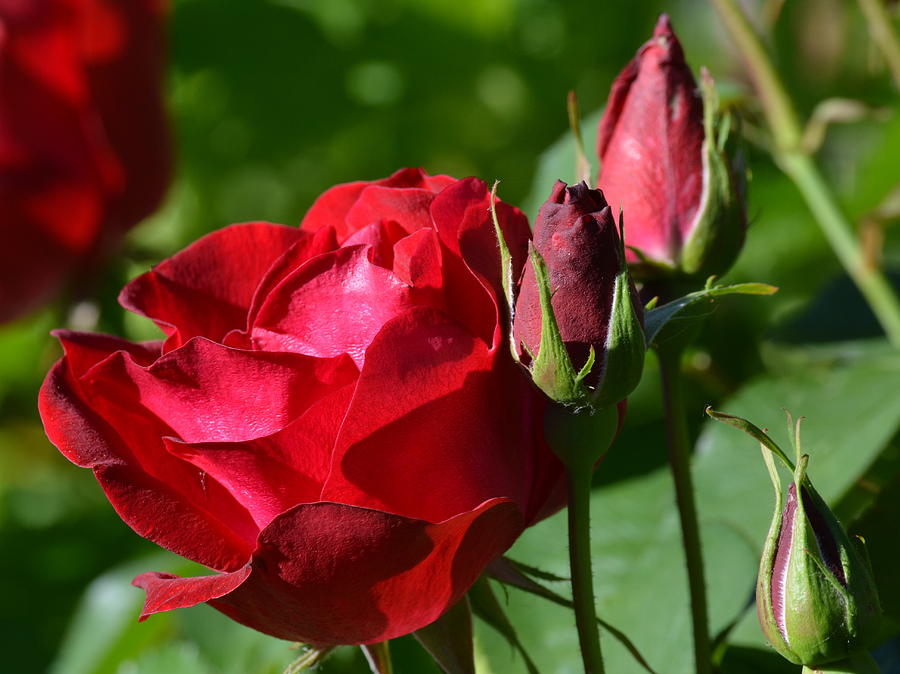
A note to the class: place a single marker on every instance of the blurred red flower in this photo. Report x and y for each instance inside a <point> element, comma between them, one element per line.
<point>334,422</point>
<point>83,143</point>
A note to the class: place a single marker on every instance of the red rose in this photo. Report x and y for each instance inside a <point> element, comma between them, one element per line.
<point>669,166</point>
<point>333,422</point>
<point>83,144</point>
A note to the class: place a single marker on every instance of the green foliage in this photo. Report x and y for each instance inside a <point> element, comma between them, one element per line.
<point>275,101</point>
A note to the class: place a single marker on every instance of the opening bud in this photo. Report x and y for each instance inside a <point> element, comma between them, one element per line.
<point>667,156</point>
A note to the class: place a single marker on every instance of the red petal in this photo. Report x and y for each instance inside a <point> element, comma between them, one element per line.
<point>407,207</point>
<point>272,474</point>
<point>433,402</point>
<point>206,289</point>
<point>166,592</point>
<point>331,208</point>
<point>307,247</point>
<point>206,392</point>
<point>332,305</point>
<point>418,263</point>
<point>85,349</point>
<point>380,238</point>
<point>158,496</point>
<point>327,573</point>
<point>462,217</point>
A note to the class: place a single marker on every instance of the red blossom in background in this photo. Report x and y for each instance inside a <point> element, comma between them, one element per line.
<point>333,422</point>
<point>664,164</point>
<point>83,144</point>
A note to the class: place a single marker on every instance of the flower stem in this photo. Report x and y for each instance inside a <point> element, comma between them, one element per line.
<point>883,34</point>
<point>579,486</point>
<point>803,171</point>
<point>679,462</point>
<point>870,280</point>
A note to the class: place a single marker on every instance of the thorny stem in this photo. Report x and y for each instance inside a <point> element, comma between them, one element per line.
<point>579,488</point>
<point>803,171</point>
<point>679,462</point>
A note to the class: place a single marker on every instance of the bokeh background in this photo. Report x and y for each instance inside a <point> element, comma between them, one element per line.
<point>273,101</point>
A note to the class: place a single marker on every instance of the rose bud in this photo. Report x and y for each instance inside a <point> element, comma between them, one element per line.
<point>83,143</point>
<point>577,320</point>
<point>333,423</point>
<point>816,597</point>
<point>663,160</point>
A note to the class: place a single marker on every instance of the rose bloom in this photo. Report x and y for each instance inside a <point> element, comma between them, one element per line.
<point>83,143</point>
<point>334,423</point>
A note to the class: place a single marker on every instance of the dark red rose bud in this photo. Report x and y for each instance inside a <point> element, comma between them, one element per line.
<point>662,150</point>
<point>575,234</point>
<point>594,306</point>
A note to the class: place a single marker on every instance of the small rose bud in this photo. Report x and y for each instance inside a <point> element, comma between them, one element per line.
<point>577,320</point>
<point>664,158</point>
<point>816,597</point>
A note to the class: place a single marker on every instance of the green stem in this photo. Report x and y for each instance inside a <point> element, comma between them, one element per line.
<point>870,280</point>
<point>775,101</point>
<point>679,462</point>
<point>861,663</point>
<point>801,168</point>
<point>883,33</point>
<point>579,485</point>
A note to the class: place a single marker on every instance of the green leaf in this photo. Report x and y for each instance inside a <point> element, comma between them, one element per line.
<point>852,411</point>
<point>665,322</point>
<point>169,657</point>
<point>104,631</point>
<point>639,579</point>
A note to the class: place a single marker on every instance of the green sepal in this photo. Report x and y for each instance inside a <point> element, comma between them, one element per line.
<point>506,277</point>
<point>378,655</point>
<point>764,609</point>
<point>859,663</point>
<point>515,574</point>
<point>718,232</point>
<point>552,370</point>
<point>625,344</point>
<point>486,606</point>
<point>449,639</point>
<point>757,434</point>
<point>311,657</point>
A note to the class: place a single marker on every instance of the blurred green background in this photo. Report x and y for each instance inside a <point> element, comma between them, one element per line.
<point>273,101</point>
